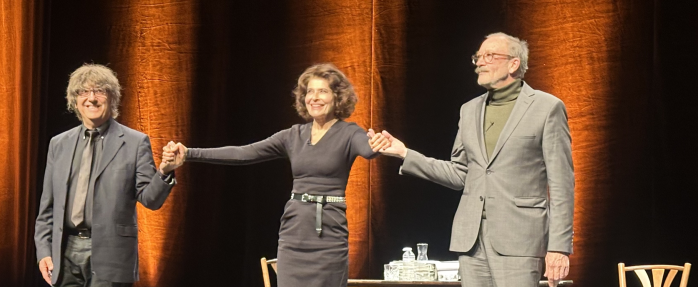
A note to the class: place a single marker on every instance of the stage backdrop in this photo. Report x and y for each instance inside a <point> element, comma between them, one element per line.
<point>21,36</point>
<point>214,73</point>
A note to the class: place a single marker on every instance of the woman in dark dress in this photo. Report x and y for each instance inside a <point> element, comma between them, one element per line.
<point>313,237</point>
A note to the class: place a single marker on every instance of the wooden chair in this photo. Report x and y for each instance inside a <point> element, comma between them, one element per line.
<point>657,274</point>
<point>265,270</point>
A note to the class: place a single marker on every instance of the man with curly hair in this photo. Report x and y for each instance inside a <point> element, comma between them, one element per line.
<point>86,231</point>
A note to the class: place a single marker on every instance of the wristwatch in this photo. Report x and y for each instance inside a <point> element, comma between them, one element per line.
<point>167,178</point>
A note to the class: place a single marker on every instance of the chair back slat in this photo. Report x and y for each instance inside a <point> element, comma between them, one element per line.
<point>670,278</point>
<point>642,274</point>
<point>657,276</point>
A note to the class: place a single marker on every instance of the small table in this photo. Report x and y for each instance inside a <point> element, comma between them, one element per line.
<point>383,283</point>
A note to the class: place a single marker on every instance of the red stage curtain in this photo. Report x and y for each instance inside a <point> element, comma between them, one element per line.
<point>20,56</point>
<point>214,73</point>
<point>579,52</point>
<point>152,47</point>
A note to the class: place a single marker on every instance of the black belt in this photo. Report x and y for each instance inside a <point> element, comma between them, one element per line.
<point>320,200</point>
<point>81,233</point>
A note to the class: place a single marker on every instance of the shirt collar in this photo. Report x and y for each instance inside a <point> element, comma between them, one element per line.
<point>102,130</point>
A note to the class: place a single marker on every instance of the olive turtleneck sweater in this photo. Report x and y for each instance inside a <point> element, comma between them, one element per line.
<point>500,103</point>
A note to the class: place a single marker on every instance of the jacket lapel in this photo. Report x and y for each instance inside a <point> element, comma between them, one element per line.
<point>112,144</point>
<point>480,128</point>
<point>524,101</point>
<point>64,161</point>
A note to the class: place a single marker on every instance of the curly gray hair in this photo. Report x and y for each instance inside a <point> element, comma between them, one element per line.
<point>97,76</point>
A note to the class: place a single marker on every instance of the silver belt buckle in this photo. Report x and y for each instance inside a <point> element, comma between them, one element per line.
<point>83,235</point>
<point>311,198</point>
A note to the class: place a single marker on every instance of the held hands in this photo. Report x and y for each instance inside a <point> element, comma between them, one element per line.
<point>394,147</point>
<point>172,157</point>
<point>557,266</point>
<point>377,141</point>
<point>46,268</point>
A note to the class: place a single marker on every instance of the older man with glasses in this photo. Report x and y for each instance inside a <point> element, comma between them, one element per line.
<point>512,159</point>
<point>86,231</point>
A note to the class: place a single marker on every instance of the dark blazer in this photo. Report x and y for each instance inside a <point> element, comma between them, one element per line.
<point>126,174</point>
<point>527,186</point>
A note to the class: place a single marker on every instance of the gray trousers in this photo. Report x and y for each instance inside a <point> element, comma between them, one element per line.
<point>77,266</point>
<point>482,266</point>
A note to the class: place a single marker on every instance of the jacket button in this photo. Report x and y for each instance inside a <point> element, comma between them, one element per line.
<point>489,171</point>
<point>481,198</point>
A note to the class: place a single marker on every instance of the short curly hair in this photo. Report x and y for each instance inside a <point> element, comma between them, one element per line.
<point>99,76</point>
<point>345,97</point>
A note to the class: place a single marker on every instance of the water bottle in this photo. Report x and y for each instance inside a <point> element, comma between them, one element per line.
<point>408,255</point>
<point>407,272</point>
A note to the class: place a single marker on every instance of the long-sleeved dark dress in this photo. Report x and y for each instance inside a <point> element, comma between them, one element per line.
<point>304,258</point>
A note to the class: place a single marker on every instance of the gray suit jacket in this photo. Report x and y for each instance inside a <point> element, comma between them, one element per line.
<point>126,174</point>
<point>527,187</point>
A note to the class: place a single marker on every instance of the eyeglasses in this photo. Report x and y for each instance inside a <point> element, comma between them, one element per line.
<point>98,92</point>
<point>488,57</point>
<point>318,91</point>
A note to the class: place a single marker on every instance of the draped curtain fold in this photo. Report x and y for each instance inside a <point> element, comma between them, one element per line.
<point>152,47</point>
<point>582,31</point>
<point>20,83</point>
